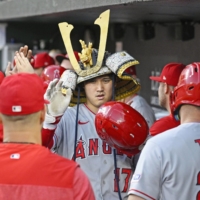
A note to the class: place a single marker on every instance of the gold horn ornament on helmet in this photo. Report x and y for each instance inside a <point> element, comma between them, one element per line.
<point>85,56</point>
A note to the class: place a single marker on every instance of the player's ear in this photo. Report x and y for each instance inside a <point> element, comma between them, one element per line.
<point>166,88</point>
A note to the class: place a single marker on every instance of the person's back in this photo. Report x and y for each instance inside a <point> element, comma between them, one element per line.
<point>173,156</point>
<point>30,171</point>
<point>178,154</point>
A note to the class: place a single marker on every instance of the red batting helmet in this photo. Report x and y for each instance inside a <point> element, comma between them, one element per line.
<point>188,88</point>
<point>50,73</point>
<point>121,127</point>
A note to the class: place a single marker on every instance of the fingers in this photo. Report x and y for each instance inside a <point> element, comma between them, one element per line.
<point>8,69</point>
<point>59,85</point>
<point>19,60</point>
<point>29,55</point>
<point>23,64</point>
<point>50,89</point>
<point>21,49</point>
<point>53,83</point>
<point>25,50</point>
<point>14,70</point>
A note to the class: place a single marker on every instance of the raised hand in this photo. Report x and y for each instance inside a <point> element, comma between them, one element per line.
<point>58,102</point>
<point>23,64</point>
<point>9,70</point>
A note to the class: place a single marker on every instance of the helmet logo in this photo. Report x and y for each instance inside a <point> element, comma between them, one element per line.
<point>56,74</point>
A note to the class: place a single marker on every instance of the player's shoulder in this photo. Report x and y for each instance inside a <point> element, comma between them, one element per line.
<point>170,140</point>
<point>162,138</point>
<point>172,134</point>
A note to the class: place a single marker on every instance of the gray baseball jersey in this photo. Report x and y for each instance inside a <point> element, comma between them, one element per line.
<point>169,165</point>
<point>94,156</point>
<point>140,104</point>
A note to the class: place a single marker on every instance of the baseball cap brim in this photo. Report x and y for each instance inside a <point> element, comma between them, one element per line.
<point>156,78</point>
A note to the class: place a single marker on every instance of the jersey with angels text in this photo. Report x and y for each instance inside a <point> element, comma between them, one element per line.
<point>169,166</point>
<point>93,155</point>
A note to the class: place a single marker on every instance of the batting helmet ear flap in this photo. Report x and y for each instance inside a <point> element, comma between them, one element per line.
<point>121,127</point>
<point>187,90</point>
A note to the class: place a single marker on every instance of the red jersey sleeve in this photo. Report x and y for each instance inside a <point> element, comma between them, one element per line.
<point>47,137</point>
<point>163,124</point>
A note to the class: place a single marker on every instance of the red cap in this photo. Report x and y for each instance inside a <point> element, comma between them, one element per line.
<point>131,70</point>
<point>170,74</point>
<point>1,76</point>
<point>61,57</point>
<point>22,94</point>
<point>43,60</point>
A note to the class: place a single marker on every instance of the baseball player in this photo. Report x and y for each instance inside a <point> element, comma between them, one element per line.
<point>28,170</point>
<point>94,86</point>
<point>22,65</point>
<point>168,79</point>
<point>168,167</point>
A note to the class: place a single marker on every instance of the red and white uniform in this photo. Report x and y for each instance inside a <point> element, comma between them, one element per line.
<point>163,124</point>
<point>93,155</point>
<point>32,172</point>
<point>169,166</point>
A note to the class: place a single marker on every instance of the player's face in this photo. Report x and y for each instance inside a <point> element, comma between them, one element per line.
<point>98,91</point>
<point>161,94</point>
